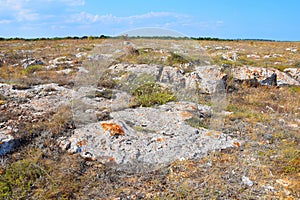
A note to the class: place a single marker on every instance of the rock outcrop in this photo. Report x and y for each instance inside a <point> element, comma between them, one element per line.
<point>91,105</point>
<point>26,106</point>
<point>31,61</point>
<point>265,76</point>
<point>203,79</point>
<point>108,129</point>
<point>149,136</point>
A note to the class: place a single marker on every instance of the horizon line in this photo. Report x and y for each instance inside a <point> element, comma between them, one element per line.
<point>137,36</point>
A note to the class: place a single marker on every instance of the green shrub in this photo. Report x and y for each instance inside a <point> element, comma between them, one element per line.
<point>32,68</point>
<point>18,179</point>
<point>196,122</point>
<point>150,94</point>
<point>244,61</point>
<point>175,59</point>
<point>297,64</point>
<point>280,67</point>
<point>294,89</point>
<point>91,37</point>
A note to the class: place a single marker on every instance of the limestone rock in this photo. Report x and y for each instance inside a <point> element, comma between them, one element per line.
<point>151,136</point>
<point>26,106</point>
<point>203,78</point>
<point>7,142</point>
<point>247,181</point>
<point>293,72</point>
<point>31,61</point>
<point>263,75</point>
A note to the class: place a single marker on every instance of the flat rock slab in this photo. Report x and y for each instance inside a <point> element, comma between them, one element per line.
<point>153,136</point>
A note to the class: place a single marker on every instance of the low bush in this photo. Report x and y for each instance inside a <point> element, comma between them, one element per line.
<point>32,68</point>
<point>18,180</point>
<point>150,94</point>
<point>175,59</point>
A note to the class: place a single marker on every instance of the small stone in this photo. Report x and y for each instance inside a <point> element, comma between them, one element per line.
<point>270,108</point>
<point>64,144</point>
<point>293,125</point>
<point>247,181</point>
<point>269,188</point>
<point>281,121</point>
<point>268,136</point>
<point>88,156</point>
<point>284,182</point>
<point>144,125</point>
<point>287,192</point>
<point>209,164</point>
<point>74,148</point>
<point>7,143</point>
<point>227,113</point>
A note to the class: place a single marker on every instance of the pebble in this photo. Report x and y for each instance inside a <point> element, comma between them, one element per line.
<point>247,181</point>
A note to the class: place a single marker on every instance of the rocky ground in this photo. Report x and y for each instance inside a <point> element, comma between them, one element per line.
<point>149,119</point>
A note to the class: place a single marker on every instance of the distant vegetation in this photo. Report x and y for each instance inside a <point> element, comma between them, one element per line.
<point>145,37</point>
<point>220,39</point>
<point>57,38</point>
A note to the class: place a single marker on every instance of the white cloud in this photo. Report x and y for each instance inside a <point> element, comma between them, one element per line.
<point>74,2</point>
<point>154,15</point>
<point>27,15</point>
<point>31,10</point>
<point>72,17</point>
<point>18,10</point>
<point>87,18</point>
<point>10,5</point>
<point>113,24</point>
<point>69,2</point>
<point>5,21</point>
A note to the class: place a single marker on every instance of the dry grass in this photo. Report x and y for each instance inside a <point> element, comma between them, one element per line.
<point>263,103</point>
<point>264,119</point>
<point>276,53</point>
<point>269,157</point>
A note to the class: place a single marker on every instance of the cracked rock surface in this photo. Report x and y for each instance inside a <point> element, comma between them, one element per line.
<point>151,135</point>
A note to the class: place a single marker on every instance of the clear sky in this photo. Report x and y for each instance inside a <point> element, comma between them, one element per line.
<point>245,19</point>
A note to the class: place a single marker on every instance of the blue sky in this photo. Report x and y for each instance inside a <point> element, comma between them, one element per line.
<point>255,19</point>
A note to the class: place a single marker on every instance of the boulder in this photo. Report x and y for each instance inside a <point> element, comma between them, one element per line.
<point>270,81</point>
<point>7,142</point>
<point>265,76</point>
